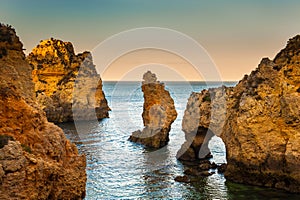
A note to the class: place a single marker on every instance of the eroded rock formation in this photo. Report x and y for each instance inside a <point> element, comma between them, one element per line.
<point>158,114</point>
<point>261,128</point>
<point>56,68</point>
<point>204,114</point>
<point>36,159</point>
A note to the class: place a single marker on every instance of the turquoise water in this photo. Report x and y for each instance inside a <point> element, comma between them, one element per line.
<point>119,169</point>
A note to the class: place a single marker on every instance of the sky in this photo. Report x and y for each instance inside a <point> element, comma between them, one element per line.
<point>236,34</point>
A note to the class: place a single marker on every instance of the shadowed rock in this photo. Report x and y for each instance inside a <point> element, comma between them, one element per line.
<point>36,159</point>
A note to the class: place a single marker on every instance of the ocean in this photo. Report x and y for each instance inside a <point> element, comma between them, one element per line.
<point>120,169</point>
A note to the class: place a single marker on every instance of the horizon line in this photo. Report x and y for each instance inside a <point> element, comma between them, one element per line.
<point>216,81</point>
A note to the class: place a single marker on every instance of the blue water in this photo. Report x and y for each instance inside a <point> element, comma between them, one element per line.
<point>119,169</point>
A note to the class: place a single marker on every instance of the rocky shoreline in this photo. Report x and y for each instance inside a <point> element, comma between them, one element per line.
<point>261,124</point>
<point>36,159</point>
<point>258,120</point>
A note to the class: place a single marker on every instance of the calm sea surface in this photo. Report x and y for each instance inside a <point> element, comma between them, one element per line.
<point>119,169</point>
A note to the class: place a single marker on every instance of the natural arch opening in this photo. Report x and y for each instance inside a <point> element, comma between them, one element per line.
<point>217,149</point>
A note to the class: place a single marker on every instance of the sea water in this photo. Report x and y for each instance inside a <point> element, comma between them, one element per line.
<point>120,169</point>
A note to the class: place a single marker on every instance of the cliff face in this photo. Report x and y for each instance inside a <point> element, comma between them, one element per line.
<point>261,128</point>
<point>36,159</point>
<point>158,114</point>
<point>55,70</point>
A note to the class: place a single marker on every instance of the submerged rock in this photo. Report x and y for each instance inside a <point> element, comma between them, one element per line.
<point>222,168</point>
<point>158,114</point>
<point>36,159</point>
<point>56,70</point>
<point>183,179</point>
<point>199,168</point>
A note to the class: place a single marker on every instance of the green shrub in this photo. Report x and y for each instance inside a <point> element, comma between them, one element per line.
<point>207,98</point>
<point>4,140</point>
<point>26,148</point>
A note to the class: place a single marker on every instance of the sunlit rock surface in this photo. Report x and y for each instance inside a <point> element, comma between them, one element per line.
<point>158,114</point>
<point>261,128</point>
<point>56,70</point>
<point>203,116</point>
<point>36,159</point>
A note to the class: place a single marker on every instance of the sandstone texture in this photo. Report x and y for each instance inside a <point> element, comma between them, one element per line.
<point>56,72</point>
<point>205,113</point>
<point>158,114</point>
<point>261,128</point>
<point>36,159</point>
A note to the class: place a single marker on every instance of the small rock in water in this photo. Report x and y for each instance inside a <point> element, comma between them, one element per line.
<point>205,165</point>
<point>183,179</point>
<point>222,168</point>
<point>191,171</point>
<point>206,173</point>
<point>214,165</point>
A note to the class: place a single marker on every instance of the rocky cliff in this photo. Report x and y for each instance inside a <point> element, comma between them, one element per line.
<point>36,159</point>
<point>158,114</point>
<point>56,68</point>
<point>204,114</point>
<point>261,128</point>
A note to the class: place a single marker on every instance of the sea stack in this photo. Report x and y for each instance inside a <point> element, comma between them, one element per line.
<point>56,70</point>
<point>158,114</point>
<point>36,159</point>
<point>204,113</point>
<point>261,128</point>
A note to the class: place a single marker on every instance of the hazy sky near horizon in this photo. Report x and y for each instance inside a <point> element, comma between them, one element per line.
<point>236,34</point>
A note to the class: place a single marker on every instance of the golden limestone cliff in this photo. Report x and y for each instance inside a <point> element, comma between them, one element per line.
<point>261,125</point>
<point>158,114</point>
<point>36,159</point>
<point>56,70</point>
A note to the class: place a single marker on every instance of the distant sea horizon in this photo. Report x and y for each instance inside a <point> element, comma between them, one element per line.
<point>174,81</point>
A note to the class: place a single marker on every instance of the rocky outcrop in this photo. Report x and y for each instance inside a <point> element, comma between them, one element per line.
<point>36,159</point>
<point>158,114</point>
<point>204,114</point>
<point>261,130</point>
<point>56,70</point>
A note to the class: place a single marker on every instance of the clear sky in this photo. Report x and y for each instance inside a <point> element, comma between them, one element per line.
<point>235,33</point>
